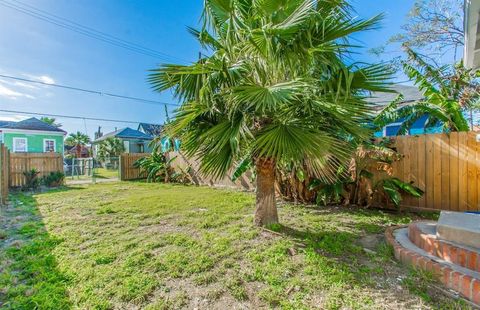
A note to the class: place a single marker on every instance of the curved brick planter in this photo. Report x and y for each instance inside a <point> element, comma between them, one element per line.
<point>457,255</point>
<point>464,284</point>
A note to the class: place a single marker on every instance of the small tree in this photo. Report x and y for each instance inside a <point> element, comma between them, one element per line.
<point>110,147</point>
<point>277,87</point>
<point>50,121</point>
<point>77,140</point>
<point>434,26</point>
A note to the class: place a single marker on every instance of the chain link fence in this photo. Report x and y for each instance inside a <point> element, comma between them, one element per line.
<point>91,170</point>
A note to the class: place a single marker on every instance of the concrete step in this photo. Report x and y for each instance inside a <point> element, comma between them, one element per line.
<point>460,279</point>
<point>424,236</point>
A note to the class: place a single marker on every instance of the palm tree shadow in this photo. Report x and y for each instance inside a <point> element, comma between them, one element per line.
<point>30,274</point>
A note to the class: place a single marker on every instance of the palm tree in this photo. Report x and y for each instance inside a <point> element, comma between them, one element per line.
<point>446,96</point>
<point>50,121</point>
<point>78,140</point>
<point>110,147</point>
<point>276,88</point>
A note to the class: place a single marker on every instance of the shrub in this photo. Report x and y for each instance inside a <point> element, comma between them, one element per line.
<point>54,179</point>
<point>32,182</point>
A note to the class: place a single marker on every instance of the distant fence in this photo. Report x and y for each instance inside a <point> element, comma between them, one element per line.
<point>181,163</point>
<point>192,167</point>
<point>4,173</point>
<point>43,162</point>
<point>127,169</point>
<point>445,166</point>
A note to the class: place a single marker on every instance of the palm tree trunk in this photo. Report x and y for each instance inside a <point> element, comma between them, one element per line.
<point>78,149</point>
<point>266,209</point>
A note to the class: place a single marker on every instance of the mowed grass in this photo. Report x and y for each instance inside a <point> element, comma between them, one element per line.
<point>154,246</point>
<point>103,173</point>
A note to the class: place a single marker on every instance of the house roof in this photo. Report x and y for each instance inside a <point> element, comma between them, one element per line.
<point>150,129</point>
<point>31,124</point>
<point>125,133</point>
<point>410,94</point>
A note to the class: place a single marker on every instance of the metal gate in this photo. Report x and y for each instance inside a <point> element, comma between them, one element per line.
<point>91,170</point>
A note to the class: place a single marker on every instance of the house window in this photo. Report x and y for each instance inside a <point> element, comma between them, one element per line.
<point>126,146</point>
<point>48,145</point>
<point>20,145</point>
<point>141,148</point>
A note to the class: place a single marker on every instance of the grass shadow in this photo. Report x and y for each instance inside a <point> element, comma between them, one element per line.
<point>29,273</point>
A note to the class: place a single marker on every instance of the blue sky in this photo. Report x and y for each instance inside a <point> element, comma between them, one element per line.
<point>38,50</point>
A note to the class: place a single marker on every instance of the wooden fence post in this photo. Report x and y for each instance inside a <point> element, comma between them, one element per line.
<point>4,173</point>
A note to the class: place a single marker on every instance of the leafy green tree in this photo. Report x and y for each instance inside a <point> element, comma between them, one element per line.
<point>433,26</point>
<point>110,147</point>
<point>50,121</point>
<point>276,87</point>
<point>447,96</point>
<point>78,140</point>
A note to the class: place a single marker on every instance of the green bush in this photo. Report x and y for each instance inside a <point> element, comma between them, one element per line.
<point>54,179</point>
<point>32,181</point>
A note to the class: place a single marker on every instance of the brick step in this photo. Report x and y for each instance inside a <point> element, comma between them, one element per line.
<point>423,235</point>
<point>460,279</point>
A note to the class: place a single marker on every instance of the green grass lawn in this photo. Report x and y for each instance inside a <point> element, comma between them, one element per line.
<point>103,173</point>
<point>153,246</point>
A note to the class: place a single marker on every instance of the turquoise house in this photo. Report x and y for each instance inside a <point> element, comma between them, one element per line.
<point>31,136</point>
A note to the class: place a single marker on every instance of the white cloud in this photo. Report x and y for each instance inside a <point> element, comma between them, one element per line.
<point>14,89</point>
<point>46,79</point>
<point>13,94</point>
<point>24,85</point>
<point>41,78</point>
<point>19,84</point>
<point>13,118</point>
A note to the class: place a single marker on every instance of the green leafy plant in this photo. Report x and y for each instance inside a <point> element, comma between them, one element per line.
<point>156,166</point>
<point>32,182</point>
<point>448,94</point>
<point>54,179</point>
<point>394,187</point>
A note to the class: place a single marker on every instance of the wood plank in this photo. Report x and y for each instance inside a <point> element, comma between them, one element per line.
<point>429,171</point>
<point>471,173</point>
<point>406,174</point>
<point>437,172</point>
<point>445,171</point>
<point>421,172</point>
<point>462,172</point>
<point>477,166</point>
<point>413,173</point>
<point>454,171</point>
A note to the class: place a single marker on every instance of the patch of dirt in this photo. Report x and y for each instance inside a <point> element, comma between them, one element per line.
<point>371,242</point>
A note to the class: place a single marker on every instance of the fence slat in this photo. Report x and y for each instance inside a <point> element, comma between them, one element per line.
<point>445,172</point>
<point>421,169</point>
<point>453,171</point>
<point>4,174</point>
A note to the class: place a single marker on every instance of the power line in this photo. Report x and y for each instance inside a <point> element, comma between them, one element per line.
<point>84,30</point>
<point>71,116</point>
<point>96,92</point>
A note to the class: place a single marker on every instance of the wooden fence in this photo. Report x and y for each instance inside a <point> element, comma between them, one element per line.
<point>445,166</point>
<point>43,162</point>
<point>4,173</point>
<point>180,163</point>
<point>127,169</point>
